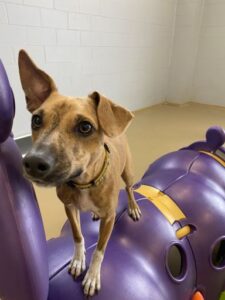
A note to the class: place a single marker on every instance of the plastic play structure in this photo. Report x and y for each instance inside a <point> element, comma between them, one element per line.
<point>175,252</point>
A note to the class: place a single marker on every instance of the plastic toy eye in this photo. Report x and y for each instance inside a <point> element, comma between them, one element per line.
<point>176,270</point>
<point>36,122</point>
<point>85,128</point>
<point>218,253</point>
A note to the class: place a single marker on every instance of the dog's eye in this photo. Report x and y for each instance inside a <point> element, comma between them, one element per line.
<point>85,128</point>
<point>36,122</point>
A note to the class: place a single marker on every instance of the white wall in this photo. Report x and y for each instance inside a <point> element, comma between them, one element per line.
<point>185,50</point>
<point>209,78</point>
<point>137,52</point>
<point>197,71</point>
<point>121,48</point>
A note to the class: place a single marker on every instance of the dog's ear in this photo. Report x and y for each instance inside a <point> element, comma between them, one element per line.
<point>113,119</point>
<point>37,85</point>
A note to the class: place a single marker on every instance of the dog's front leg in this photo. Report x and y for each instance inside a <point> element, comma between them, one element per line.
<point>92,280</point>
<point>77,264</point>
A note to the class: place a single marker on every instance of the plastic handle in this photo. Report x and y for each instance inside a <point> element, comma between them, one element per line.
<point>215,137</point>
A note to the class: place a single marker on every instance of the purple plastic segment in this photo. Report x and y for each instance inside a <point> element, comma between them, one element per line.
<point>202,188</point>
<point>134,265</point>
<point>215,138</point>
<point>23,251</point>
<point>7,107</point>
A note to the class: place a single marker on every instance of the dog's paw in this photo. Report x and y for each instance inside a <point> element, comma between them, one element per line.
<point>92,282</point>
<point>77,265</point>
<point>134,212</point>
<point>95,217</point>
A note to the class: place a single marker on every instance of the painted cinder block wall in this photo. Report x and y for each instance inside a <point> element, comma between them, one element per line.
<point>121,48</point>
<point>185,50</point>
<point>209,77</point>
<point>197,70</point>
<point>138,53</point>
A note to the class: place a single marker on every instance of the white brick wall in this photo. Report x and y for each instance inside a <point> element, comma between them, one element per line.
<point>3,14</point>
<point>67,5</point>
<point>91,6</point>
<point>41,36</point>
<point>79,21</point>
<point>53,18</point>
<point>12,35</point>
<point>68,37</point>
<point>13,1</point>
<point>23,15</point>
<point>41,3</point>
<point>120,47</point>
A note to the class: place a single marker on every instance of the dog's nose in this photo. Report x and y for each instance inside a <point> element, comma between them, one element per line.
<point>36,165</point>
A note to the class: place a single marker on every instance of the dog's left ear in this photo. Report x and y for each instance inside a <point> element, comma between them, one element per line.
<point>113,119</point>
<point>37,84</point>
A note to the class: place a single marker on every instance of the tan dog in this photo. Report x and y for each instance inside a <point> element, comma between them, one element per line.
<point>79,146</point>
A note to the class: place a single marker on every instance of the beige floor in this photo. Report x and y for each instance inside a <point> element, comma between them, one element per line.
<point>154,132</point>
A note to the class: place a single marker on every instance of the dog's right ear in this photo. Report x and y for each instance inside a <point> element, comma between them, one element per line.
<point>37,85</point>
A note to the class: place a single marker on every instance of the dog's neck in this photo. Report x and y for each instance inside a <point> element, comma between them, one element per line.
<point>98,179</point>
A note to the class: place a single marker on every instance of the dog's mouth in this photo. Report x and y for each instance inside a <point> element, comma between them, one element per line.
<point>74,176</point>
<point>54,179</point>
<point>40,182</point>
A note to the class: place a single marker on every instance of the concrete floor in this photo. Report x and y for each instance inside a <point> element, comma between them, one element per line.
<point>154,132</point>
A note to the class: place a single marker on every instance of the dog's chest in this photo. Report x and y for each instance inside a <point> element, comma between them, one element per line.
<point>84,202</point>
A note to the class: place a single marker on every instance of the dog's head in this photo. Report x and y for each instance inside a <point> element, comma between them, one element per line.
<point>67,132</point>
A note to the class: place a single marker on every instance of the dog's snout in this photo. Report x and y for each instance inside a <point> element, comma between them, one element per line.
<point>37,165</point>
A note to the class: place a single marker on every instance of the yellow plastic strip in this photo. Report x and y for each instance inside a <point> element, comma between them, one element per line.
<point>222,162</point>
<point>222,296</point>
<point>163,202</point>
<point>182,232</point>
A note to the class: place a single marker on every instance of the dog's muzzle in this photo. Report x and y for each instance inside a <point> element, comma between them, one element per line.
<point>38,164</point>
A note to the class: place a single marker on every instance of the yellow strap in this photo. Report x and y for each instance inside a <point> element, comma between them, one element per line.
<point>182,232</point>
<point>217,158</point>
<point>163,202</point>
<point>222,296</point>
